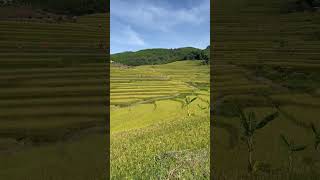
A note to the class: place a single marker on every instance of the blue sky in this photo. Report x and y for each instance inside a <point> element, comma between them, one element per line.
<point>143,24</point>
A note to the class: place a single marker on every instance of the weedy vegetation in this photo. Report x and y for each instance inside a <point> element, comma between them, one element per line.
<point>250,125</point>
<point>292,148</point>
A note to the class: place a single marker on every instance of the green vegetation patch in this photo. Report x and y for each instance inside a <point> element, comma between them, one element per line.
<point>160,129</point>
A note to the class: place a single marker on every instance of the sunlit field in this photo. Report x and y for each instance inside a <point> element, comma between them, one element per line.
<point>160,121</point>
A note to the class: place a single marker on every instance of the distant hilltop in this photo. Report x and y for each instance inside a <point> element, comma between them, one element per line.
<point>161,56</point>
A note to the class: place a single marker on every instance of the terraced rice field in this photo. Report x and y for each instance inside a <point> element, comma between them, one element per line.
<point>53,107</point>
<point>152,136</point>
<point>261,57</point>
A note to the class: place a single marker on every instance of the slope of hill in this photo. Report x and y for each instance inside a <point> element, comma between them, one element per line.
<point>263,57</point>
<point>53,99</point>
<point>154,134</point>
<point>160,56</point>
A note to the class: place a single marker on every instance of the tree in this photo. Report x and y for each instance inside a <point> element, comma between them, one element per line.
<point>292,148</point>
<point>250,125</point>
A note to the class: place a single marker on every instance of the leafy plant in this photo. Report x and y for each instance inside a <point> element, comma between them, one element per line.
<point>187,102</point>
<point>316,136</point>
<point>292,148</point>
<point>250,125</point>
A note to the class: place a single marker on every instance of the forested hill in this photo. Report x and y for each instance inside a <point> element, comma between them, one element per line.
<point>161,56</point>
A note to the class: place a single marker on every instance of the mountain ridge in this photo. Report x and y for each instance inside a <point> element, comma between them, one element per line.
<point>161,56</point>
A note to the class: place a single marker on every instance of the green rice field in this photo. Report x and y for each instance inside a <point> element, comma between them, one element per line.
<point>53,107</point>
<point>154,135</point>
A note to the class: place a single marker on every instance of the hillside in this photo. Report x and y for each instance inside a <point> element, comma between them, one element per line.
<point>53,98</point>
<point>160,56</point>
<point>153,134</point>
<point>265,59</point>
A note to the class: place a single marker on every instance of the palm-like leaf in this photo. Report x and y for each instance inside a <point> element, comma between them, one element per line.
<point>267,119</point>
<point>299,148</point>
<point>314,129</point>
<point>189,101</point>
<point>186,101</point>
<point>290,145</point>
<point>286,142</point>
<point>317,136</point>
<point>208,102</point>
<point>252,121</point>
<point>193,99</point>
<point>243,120</point>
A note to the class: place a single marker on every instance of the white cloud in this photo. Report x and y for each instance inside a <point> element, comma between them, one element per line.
<point>145,14</point>
<point>126,35</point>
<point>141,24</point>
<point>133,37</point>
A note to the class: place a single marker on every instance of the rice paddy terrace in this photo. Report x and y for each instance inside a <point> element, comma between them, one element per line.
<point>263,56</point>
<point>53,79</point>
<point>152,135</point>
<point>135,85</point>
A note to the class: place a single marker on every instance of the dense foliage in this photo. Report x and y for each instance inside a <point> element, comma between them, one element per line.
<point>207,54</point>
<point>161,56</point>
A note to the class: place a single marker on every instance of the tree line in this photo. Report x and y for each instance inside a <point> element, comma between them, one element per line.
<point>161,56</point>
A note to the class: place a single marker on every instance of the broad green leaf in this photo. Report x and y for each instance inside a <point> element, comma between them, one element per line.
<point>299,148</point>
<point>267,119</point>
